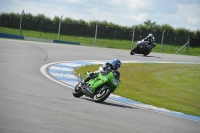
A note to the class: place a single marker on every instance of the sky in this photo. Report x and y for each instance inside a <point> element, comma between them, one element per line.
<point>177,13</point>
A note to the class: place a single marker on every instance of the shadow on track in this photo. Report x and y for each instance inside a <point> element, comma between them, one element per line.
<point>118,105</point>
<point>112,104</point>
<point>147,56</point>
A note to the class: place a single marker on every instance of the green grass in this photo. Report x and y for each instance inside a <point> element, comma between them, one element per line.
<point>108,43</point>
<point>171,86</point>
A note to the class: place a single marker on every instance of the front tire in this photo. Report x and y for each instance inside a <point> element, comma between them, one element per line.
<point>132,52</point>
<point>77,92</point>
<point>100,96</point>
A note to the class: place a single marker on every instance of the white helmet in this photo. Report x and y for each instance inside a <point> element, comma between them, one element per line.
<point>150,35</point>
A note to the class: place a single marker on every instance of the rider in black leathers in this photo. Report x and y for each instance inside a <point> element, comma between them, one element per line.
<point>151,41</point>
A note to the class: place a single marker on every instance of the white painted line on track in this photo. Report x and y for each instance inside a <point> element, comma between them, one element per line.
<point>62,73</point>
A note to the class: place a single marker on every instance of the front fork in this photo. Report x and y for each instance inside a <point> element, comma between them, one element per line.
<point>87,90</point>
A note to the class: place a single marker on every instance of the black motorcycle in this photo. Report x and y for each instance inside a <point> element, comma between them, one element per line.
<point>142,47</point>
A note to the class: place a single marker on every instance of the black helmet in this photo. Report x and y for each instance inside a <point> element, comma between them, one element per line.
<point>116,63</point>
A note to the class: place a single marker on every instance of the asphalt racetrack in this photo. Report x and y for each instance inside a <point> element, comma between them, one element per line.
<point>31,103</point>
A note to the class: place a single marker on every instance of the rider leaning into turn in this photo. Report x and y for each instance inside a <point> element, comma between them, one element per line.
<point>150,38</point>
<point>104,69</point>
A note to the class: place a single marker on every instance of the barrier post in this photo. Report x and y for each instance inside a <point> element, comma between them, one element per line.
<point>162,40</point>
<point>20,25</point>
<point>188,40</point>
<point>95,34</point>
<point>133,38</point>
<point>59,28</point>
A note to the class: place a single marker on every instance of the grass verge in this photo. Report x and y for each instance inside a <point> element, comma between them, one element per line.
<point>171,86</point>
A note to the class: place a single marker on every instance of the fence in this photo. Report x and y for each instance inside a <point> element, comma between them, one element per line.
<point>112,38</point>
<point>101,37</point>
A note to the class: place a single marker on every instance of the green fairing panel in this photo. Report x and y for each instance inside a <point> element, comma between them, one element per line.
<point>102,79</point>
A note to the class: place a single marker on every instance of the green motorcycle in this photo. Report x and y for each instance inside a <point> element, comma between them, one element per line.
<point>98,88</point>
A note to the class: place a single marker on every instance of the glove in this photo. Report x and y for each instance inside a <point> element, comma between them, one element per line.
<point>91,74</point>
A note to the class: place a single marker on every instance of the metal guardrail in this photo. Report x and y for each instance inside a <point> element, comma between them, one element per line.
<point>3,35</point>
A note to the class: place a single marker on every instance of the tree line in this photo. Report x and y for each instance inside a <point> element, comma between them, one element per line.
<point>82,28</point>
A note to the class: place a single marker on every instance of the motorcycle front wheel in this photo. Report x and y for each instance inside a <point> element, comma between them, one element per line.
<point>132,52</point>
<point>77,92</point>
<point>102,95</point>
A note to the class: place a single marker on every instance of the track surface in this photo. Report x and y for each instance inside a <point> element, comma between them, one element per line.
<point>31,103</point>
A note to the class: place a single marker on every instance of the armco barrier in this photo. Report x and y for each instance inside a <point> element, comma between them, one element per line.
<point>65,42</point>
<point>11,36</point>
<point>4,35</point>
<point>38,39</point>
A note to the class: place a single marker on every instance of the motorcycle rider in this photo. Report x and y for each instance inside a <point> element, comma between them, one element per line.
<point>151,41</point>
<point>105,69</point>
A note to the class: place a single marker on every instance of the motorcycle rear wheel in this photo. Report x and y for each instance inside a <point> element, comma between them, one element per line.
<point>100,96</point>
<point>146,52</point>
<point>77,92</point>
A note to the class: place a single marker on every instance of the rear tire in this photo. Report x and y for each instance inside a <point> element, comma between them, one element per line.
<point>100,96</point>
<point>147,52</point>
<point>77,92</point>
